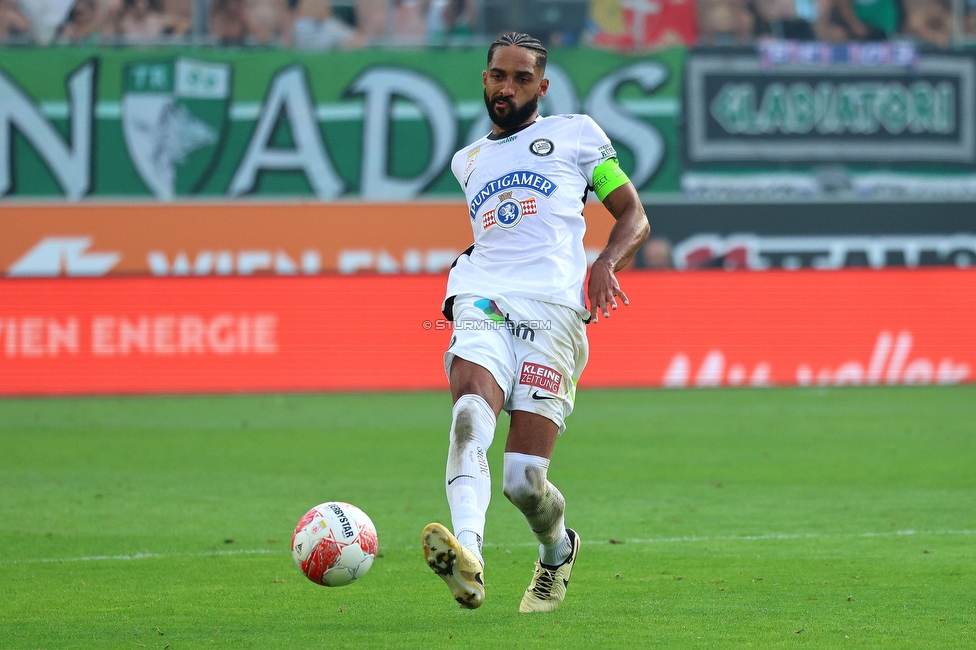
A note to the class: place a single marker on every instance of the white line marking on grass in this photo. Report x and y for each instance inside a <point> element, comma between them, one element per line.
<point>652,540</point>
<point>765,537</point>
<point>788,536</point>
<point>141,556</point>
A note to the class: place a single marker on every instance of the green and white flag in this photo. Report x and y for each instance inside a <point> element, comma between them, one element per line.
<point>174,114</point>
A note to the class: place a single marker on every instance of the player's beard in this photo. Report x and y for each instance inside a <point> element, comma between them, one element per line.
<point>516,115</point>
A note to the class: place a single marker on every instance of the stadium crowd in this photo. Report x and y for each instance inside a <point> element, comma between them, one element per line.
<point>626,25</point>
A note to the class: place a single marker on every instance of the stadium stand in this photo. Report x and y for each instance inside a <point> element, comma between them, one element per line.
<point>620,25</point>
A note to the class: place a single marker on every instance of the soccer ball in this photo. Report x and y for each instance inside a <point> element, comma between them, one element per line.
<point>334,544</point>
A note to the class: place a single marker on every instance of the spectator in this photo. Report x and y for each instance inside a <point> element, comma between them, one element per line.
<point>656,254</point>
<point>315,27</point>
<point>929,21</point>
<point>830,25</point>
<point>371,20</point>
<point>451,18</point>
<point>790,19</point>
<point>410,21</point>
<point>144,20</point>
<point>180,11</point>
<point>405,24</point>
<point>230,24</point>
<point>84,25</point>
<point>44,17</point>
<point>869,20</point>
<point>969,22</point>
<point>725,22</point>
<point>12,22</point>
<point>271,19</point>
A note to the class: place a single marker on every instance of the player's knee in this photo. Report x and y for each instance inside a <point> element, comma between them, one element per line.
<point>525,486</point>
<point>463,430</point>
<point>474,421</point>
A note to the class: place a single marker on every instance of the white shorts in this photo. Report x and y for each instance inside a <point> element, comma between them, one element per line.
<point>535,350</point>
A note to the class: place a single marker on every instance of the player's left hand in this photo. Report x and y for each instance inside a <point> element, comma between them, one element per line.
<point>603,291</point>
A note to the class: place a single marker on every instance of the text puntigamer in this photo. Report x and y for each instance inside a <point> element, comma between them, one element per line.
<point>512,179</point>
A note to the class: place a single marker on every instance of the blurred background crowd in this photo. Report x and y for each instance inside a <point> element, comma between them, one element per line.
<point>622,25</point>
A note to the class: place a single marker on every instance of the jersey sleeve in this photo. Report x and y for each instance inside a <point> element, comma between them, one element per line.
<point>594,148</point>
<point>456,167</point>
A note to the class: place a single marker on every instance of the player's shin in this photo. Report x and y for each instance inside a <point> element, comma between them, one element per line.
<point>468,478</point>
<point>528,488</point>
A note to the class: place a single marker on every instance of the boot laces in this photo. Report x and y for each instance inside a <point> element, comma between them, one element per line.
<point>544,582</point>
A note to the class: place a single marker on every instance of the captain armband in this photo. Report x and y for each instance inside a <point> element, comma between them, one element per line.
<point>607,177</point>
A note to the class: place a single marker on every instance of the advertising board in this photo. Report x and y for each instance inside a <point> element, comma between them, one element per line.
<point>869,118</point>
<point>377,332</point>
<point>219,239</point>
<point>819,234</point>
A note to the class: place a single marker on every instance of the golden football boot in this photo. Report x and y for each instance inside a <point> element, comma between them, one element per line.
<point>456,565</point>
<point>547,590</point>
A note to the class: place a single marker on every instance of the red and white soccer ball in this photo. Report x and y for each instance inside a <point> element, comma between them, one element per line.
<point>334,544</point>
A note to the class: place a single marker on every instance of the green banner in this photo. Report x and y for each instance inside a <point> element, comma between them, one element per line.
<point>381,125</point>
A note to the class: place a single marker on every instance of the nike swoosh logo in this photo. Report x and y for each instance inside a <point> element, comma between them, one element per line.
<point>536,395</point>
<point>459,476</point>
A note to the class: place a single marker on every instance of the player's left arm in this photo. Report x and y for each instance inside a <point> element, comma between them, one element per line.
<point>626,237</point>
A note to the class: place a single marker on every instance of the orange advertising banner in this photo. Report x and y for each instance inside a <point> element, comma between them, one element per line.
<point>385,332</point>
<point>219,239</point>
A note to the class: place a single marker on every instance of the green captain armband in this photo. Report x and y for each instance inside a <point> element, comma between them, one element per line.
<point>607,177</point>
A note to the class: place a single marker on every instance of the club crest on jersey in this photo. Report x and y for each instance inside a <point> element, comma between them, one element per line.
<point>542,147</point>
<point>510,181</point>
<point>509,211</point>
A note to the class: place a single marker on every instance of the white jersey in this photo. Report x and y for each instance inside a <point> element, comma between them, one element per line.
<point>525,196</point>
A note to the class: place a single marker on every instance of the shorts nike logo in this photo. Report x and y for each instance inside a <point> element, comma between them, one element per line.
<point>536,395</point>
<point>459,476</point>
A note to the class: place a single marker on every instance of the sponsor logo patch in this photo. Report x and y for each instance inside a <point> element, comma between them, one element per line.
<point>607,151</point>
<point>544,377</point>
<point>471,158</point>
<point>491,309</point>
<point>542,147</point>
<point>488,220</point>
<point>510,181</point>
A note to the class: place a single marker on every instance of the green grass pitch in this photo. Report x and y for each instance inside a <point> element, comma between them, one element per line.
<point>709,519</point>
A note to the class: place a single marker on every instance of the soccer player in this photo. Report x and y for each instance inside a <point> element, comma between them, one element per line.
<point>517,302</point>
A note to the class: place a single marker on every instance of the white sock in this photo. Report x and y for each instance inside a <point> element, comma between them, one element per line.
<point>468,479</point>
<point>541,504</point>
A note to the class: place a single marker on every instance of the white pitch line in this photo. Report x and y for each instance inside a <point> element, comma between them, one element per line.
<point>789,536</point>
<point>766,537</point>
<point>140,556</point>
<point>653,540</point>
